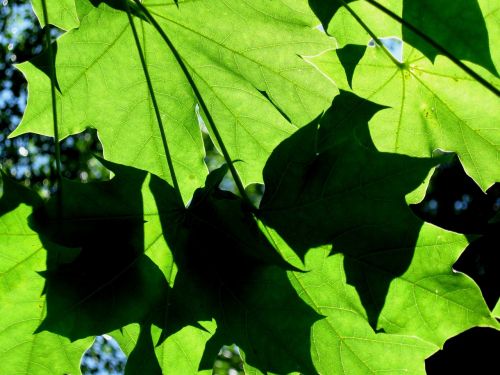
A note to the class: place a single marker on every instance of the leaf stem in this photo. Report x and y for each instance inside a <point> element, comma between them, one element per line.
<point>155,105</point>
<point>436,45</point>
<point>52,74</point>
<point>376,40</point>
<point>201,102</point>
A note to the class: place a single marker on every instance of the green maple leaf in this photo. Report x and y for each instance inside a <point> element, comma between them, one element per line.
<point>225,269</point>
<point>246,64</point>
<point>114,281</point>
<point>22,303</point>
<point>458,25</point>
<point>174,284</point>
<point>60,13</point>
<point>434,105</point>
<point>329,184</point>
<point>180,268</point>
<point>344,342</point>
<point>180,352</point>
<point>496,310</point>
<point>465,27</point>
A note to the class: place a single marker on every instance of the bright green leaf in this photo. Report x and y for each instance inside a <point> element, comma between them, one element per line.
<point>496,310</point>
<point>180,353</point>
<point>242,77</point>
<point>438,302</point>
<point>329,185</point>
<point>61,13</point>
<point>22,303</point>
<point>344,342</point>
<point>434,106</point>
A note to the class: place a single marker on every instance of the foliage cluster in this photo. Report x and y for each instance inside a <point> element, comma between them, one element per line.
<point>343,124</point>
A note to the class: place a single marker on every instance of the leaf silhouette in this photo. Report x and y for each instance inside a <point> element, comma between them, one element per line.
<point>112,282</point>
<point>461,28</point>
<point>328,184</point>
<point>225,269</point>
<point>22,305</point>
<point>221,269</point>
<point>333,273</point>
<point>434,105</point>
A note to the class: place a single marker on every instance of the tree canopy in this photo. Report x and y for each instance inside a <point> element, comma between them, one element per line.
<point>341,109</point>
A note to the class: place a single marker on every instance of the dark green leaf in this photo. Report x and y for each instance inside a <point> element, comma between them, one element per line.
<point>327,184</point>
<point>458,25</point>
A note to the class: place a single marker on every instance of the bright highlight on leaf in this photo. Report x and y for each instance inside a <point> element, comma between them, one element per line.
<point>434,105</point>
<point>332,273</point>
<point>249,53</point>
<point>395,262</point>
<point>61,13</point>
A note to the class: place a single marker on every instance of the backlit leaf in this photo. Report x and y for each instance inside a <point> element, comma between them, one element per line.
<point>243,78</point>
<point>327,184</point>
<point>22,303</point>
<point>434,105</point>
<point>61,13</point>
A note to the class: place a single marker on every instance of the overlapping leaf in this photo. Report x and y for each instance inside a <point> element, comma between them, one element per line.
<point>180,352</point>
<point>22,304</point>
<point>330,185</point>
<point>223,269</point>
<point>226,268</point>
<point>174,284</point>
<point>434,105</point>
<point>246,63</point>
<point>496,310</point>
<point>112,282</point>
<point>462,27</point>
<point>61,13</point>
<point>344,342</point>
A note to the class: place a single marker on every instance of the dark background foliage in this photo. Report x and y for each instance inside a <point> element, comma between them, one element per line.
<point>453,201</point>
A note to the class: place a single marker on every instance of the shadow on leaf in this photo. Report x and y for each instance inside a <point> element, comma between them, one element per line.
<point>110,282</point>
<point>327,184</point>
<point>325,10</point>
<point>100,276</point>
<point>228,271</point>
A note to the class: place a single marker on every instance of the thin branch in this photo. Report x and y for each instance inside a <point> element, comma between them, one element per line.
<point>155,105</point>
<point>201,102</point>
<point>436,45</point>
<point>52,74</point>
<point>376,40</point>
